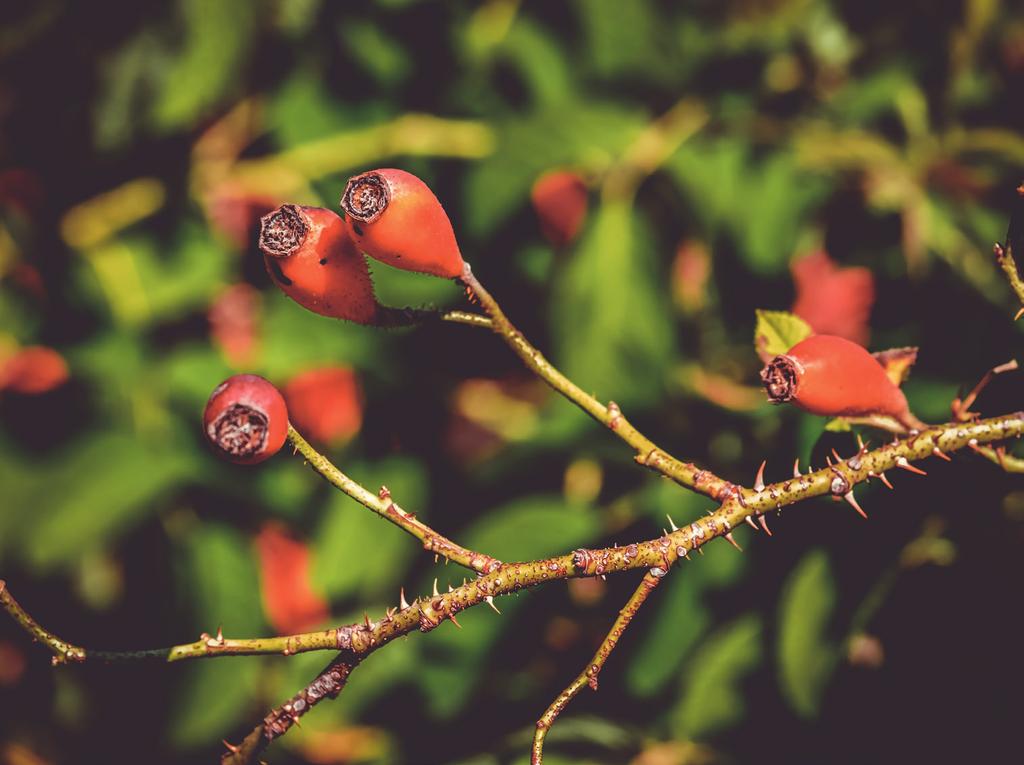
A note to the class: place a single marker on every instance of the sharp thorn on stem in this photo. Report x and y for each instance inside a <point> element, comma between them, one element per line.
<point>402,603</point>
<point>764,524</point>
<point>759,480</point>
<point>490,602</point>
<point>750,522</point>
<point>436,593</point>
<point>904,464</point>
<point>730,540</point>
<point>854,504</point>
<point>1018,314</point>
<point>941,454</point>
<point>454,621</point>
<point>796,468</point>
<point>671,522</point>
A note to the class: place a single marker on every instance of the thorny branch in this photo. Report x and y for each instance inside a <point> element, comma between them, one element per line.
<point>588,677</point>
<point>355,642</point>
<point>648,453</point>
<point>837,480</point>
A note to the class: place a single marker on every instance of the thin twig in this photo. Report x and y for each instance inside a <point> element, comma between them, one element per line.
<point>588,677</point>
<point>648,453</point>
<point>382,504</point>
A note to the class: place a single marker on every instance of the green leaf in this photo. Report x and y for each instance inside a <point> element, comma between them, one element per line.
<point>216,42</point>
<point>613,326</point>
<point>778,331</point>
<point>711,699</point>
<point>218,572</point>
<point>806,657</point>
<point>358,553</point>
<point>85,512</point>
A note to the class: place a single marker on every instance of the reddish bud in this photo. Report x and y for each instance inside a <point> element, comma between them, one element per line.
<point>395,218</point>
<point>33,370</point>
<point>325,404</point>
<point>290,603</point>
<point>311,257</point>
<point>830,376</point>
<point>559,199</point>
<point>833,300</point>
<point>246,419</point>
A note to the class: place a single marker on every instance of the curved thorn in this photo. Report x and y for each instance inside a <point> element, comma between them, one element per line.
<point>750,522</point>
<point>764,524</point>
<point>901,462</point>
<point>402,603</point>
<point>796,468</point>
<point>732,541</point>
<point>759,481</point>
<point>885,479</point>
<point>853,503</point>
<point>435,587</point>
<point>941,454</point>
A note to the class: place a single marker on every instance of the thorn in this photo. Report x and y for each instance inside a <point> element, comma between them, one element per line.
<point>941,454</point>
<point>671,522</point>
<point>853,503</point>
<point>402,603</point>
<point>860,444</point>
<point>231,747</point>
<point>796,468</point>
<point>828,460</point>
<point>366,620</point>
<point>603,577</point>
<point>664,533</point>
<point>836,455</point>
<point>901,462</point>
<point>759,480</point>
<point>384,493</point>
<point>435,558</point>
<point>449,587</point>
<point>450,616</point>
<point>885,479</point>
<point>390,613</point>
<point>490,602</point>
<point>764,524</point>
<point>435,587</point>
<point>1000,454</point>
<point>973,443</point>
<point>220,633</point>
<point>750,522</point>
<point>1018,314</point>
<point>733,541</point>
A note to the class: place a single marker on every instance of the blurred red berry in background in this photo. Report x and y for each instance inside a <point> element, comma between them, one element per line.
<point>235,323</point>
<point>33,370</point>
<point>290,603</point>
<point>833,300</point>
<point>325,404</point>
<point>559,199</point>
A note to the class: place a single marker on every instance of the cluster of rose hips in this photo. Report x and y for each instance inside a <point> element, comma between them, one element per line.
<point>317,258</point>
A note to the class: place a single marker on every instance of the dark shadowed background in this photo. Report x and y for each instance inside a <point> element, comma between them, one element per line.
<point>140,142</point>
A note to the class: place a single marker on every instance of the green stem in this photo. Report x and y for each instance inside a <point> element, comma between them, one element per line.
<point>588,677</point>
<point>648,453</point>
<point>382,504</point>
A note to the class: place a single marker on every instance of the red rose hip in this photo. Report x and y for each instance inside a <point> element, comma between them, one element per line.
<point>246,419</point>
<point>395,218</point>
<point>833,377</point>
<point>311,257</point>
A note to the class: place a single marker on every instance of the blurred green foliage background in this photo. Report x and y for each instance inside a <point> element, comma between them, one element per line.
<point>139,143</point>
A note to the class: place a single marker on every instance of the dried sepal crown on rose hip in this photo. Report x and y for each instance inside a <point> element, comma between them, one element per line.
<point>246,419</point>
<point>834,377</point>
<point>310,255</point>
<point>395,218</point>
